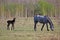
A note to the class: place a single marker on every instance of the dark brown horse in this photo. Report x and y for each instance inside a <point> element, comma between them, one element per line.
<point>10,22</point>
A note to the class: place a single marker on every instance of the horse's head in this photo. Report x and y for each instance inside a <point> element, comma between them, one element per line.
<point>52,26</point>
<point>50,23</point>
<point>14,18</point>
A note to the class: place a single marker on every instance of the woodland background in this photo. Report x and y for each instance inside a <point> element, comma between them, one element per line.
<point>28,8</point>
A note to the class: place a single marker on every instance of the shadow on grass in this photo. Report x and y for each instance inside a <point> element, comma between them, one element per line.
<point>24,30</point>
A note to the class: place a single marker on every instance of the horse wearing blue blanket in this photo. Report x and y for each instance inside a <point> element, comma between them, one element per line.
<point>44,20</point>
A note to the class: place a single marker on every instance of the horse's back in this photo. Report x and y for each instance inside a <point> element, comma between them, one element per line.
<point>40,18</point>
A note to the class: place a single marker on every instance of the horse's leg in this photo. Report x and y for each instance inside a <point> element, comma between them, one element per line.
<point>47,27</point>
<point>8,26</point>
<point>35,25</point>
<point>42,26</point>
<point>12,26</point>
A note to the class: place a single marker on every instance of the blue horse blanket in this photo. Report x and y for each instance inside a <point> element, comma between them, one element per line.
<point>40,18</point>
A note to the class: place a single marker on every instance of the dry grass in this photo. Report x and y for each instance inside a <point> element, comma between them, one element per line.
<point>24,31</point>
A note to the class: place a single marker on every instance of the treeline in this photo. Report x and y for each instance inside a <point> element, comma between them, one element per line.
<point>27,8</point>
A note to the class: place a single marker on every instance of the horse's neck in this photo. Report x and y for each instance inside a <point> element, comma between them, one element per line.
<point>13,19</point>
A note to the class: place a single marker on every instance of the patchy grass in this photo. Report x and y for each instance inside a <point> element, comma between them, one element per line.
<point>24,31</point>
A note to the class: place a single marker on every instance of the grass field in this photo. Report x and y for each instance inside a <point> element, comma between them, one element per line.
<point>24,31</point>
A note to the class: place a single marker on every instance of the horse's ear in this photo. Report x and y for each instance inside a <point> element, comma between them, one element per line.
<point>14,18</point>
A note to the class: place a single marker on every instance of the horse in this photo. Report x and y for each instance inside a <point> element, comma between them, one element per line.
<point>10,22</point>
<point>43,20</point>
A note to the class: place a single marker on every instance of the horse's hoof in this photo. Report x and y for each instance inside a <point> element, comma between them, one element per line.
<point>8,29</point>
<point>34,30</point>
<point>41,30</point>
<point>52,30</point>
<point>47,30</point>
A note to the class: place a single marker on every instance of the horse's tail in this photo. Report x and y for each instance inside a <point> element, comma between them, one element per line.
<point>50,23</point>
